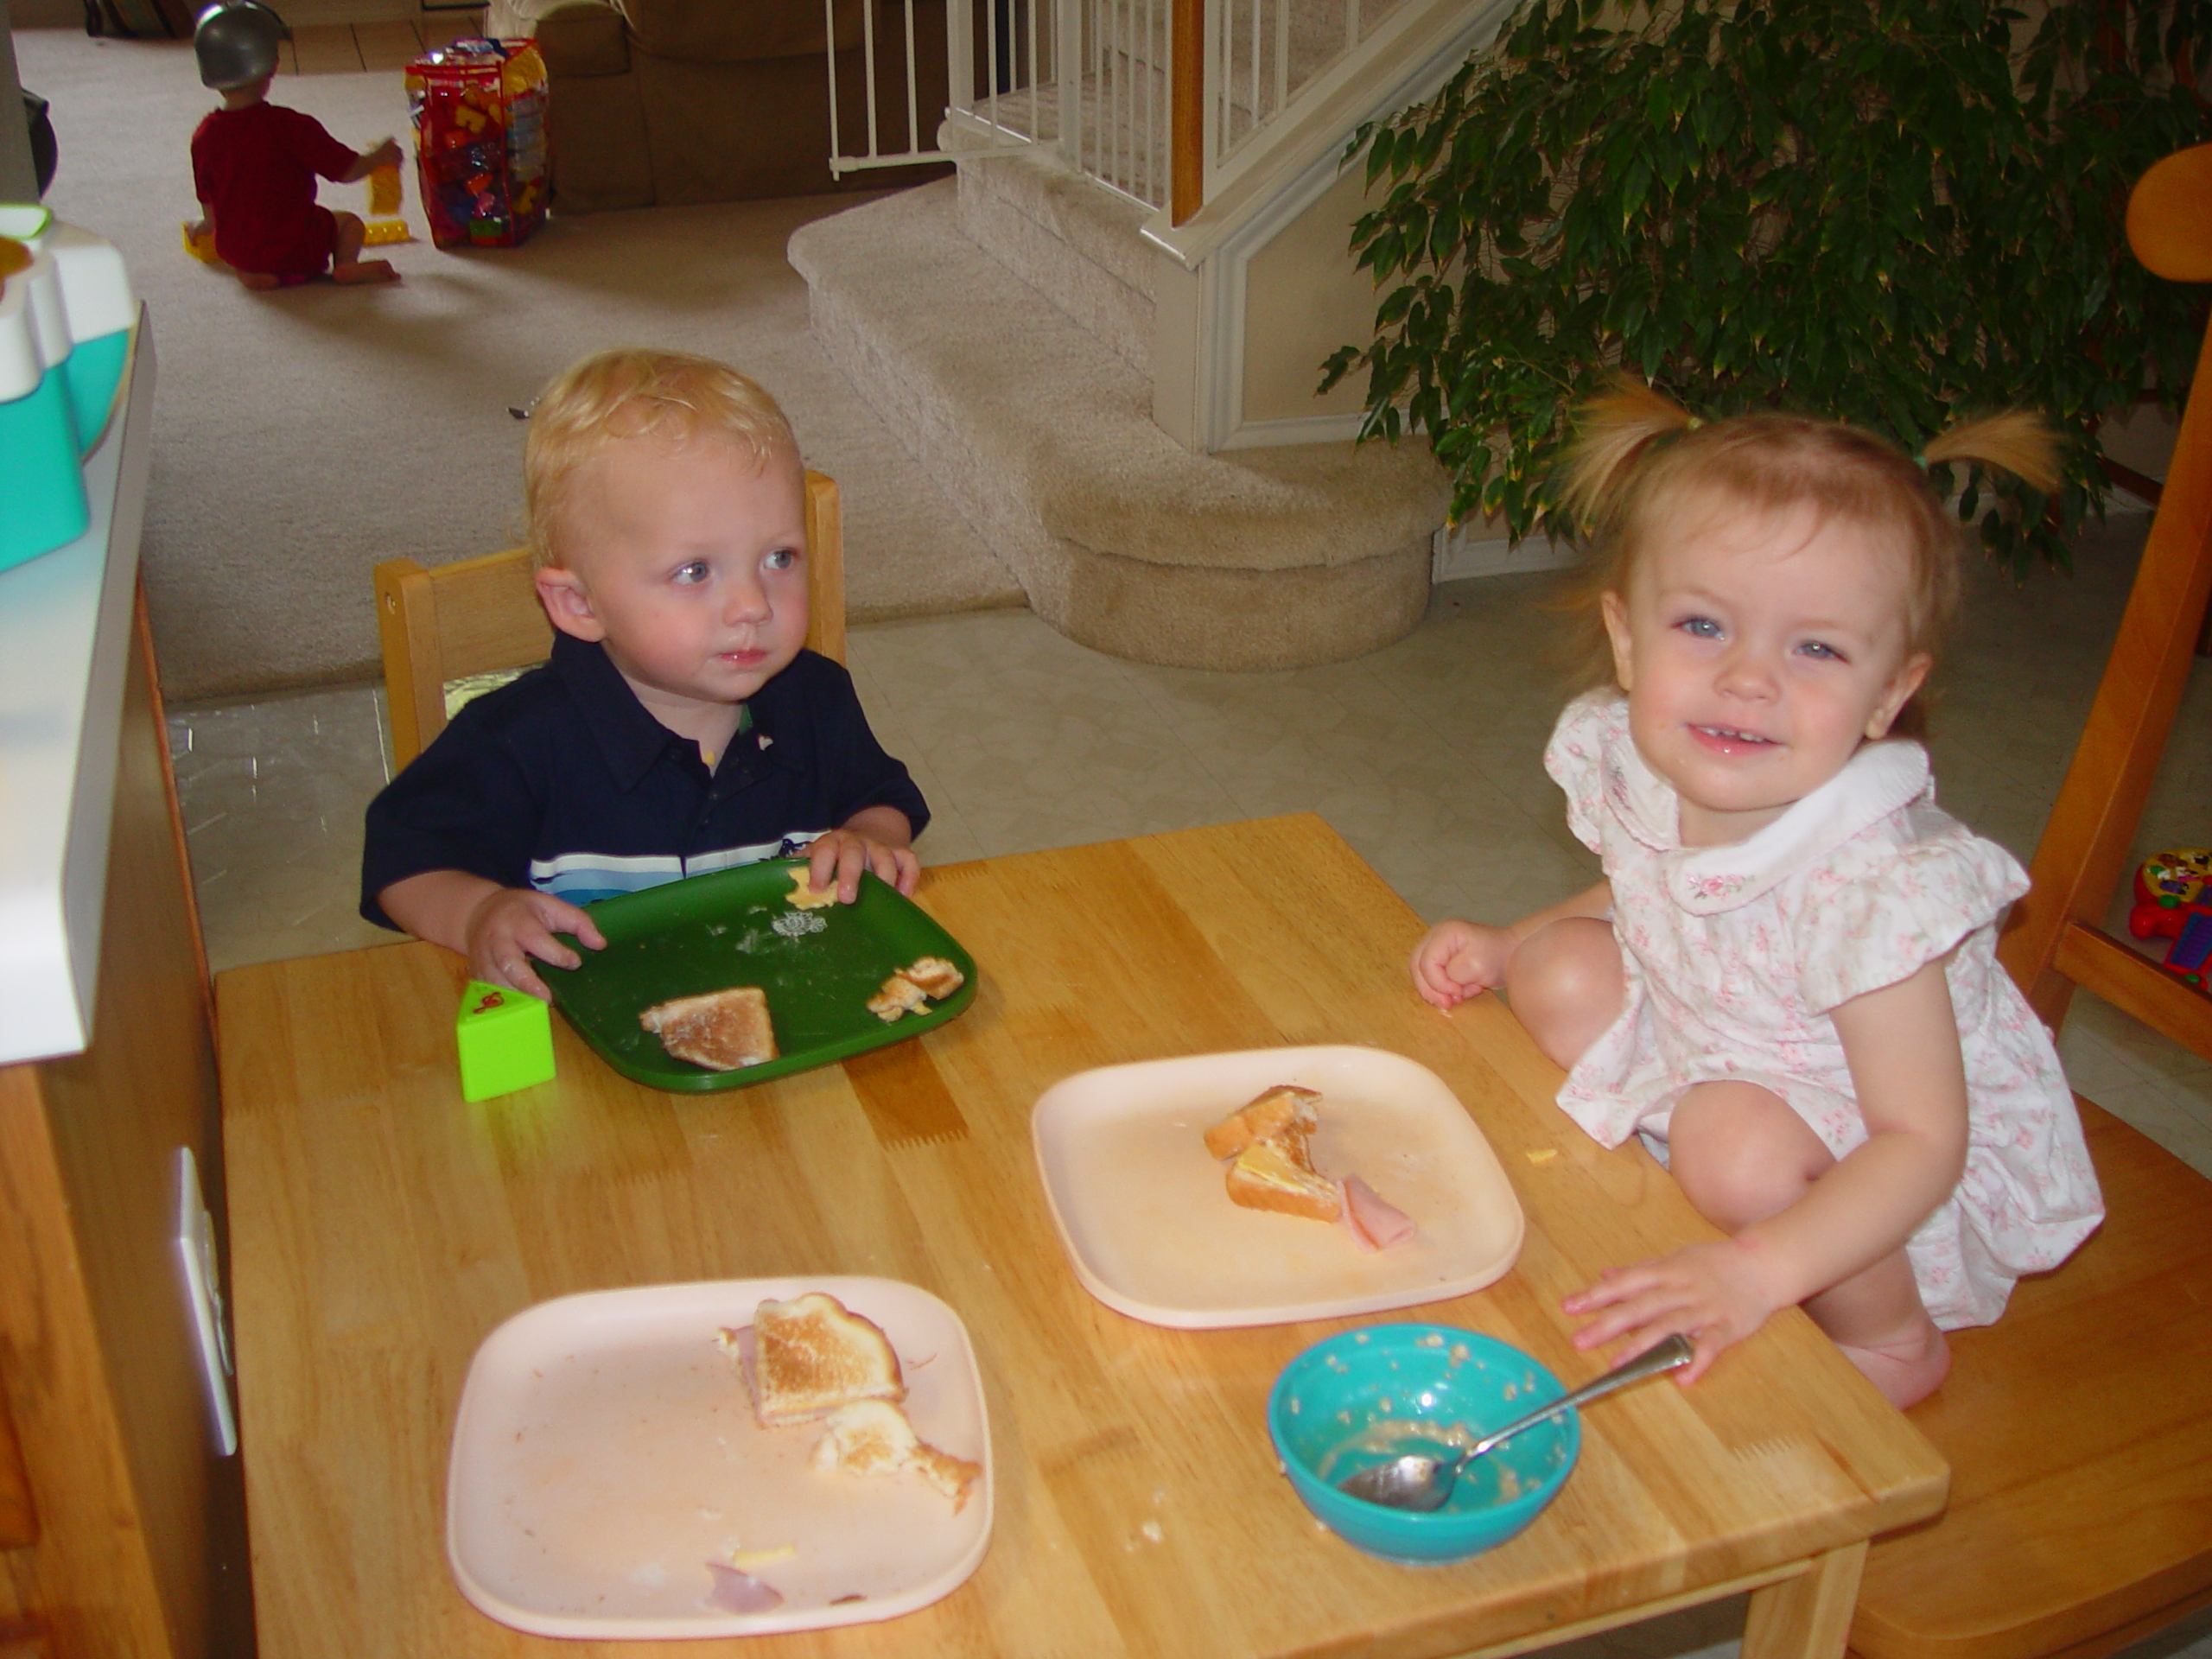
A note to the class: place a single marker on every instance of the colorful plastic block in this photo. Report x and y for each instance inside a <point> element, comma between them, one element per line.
<point>505,1040</point>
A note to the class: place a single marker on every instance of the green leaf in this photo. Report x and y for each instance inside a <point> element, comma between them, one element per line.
<point>1864,207</point>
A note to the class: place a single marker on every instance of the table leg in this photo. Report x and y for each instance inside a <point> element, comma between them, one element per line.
<point>1808,1617</point>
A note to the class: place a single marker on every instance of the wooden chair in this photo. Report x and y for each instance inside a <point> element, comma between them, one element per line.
<point>2079,1427</point>
<point>482,615</point>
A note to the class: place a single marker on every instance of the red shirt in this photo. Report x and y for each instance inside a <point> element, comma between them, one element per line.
<point>255,169</point>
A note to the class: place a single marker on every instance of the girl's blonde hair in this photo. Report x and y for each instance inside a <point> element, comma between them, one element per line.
<point>631,393</point>
<point>1639,460</point>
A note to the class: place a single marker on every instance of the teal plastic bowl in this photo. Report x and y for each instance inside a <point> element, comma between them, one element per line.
<point>1362,1397</point>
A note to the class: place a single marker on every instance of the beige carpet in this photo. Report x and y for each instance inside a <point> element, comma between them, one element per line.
<point>301,437</point>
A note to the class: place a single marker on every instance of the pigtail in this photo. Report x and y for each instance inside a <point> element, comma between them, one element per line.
<point>2021,443</point>
<point>1614,430</point>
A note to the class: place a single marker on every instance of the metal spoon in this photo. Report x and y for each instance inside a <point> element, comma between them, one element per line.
<point>1415,1482</point>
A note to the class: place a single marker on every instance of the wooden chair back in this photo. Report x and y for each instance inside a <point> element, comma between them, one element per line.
<point>2079,1426</point>
<point>2056,940</point>
<point>480,615</point>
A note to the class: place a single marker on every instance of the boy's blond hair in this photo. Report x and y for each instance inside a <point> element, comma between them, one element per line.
<point>1640,460</point>
<point>631,393</point>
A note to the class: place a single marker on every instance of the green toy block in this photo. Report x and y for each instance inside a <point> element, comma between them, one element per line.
<point>505,1038</point>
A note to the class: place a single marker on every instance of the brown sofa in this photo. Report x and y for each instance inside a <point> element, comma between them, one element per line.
<point>660,102</point>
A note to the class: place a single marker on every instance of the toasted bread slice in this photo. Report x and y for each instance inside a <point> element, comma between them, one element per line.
<point>721,1030</point>
<point>1284,1109</point>
<point>872,1437</point>
<point>812,1355</point>
<point>938,977</point>
<point>1274,1174</point>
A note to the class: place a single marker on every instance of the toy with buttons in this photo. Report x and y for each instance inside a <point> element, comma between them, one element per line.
<point>2172,901</point>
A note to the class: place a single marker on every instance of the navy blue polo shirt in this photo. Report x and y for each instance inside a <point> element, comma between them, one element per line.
<point>563,782</point>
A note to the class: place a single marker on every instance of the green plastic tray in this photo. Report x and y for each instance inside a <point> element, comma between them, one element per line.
<point>711,931</point>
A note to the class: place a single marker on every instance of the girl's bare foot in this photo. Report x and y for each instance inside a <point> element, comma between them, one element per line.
<point>365,271</point>
<point>259,281</point>
<point>1906,1371</point>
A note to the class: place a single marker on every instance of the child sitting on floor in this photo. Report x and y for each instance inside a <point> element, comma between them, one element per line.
<point>680,728</point>
<point>254,164</point>
<point>1786,982</point>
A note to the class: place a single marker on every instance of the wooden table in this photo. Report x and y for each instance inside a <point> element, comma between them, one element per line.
<point>381,1229</point>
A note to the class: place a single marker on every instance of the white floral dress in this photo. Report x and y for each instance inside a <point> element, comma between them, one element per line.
<point>1735,956</point>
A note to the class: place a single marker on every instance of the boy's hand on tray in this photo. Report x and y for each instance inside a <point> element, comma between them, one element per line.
<point>512,925</point>
<point>1457,960</point>
<point>1712,1294</point>
<point>838,857</point>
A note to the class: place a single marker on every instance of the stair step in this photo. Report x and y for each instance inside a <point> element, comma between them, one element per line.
<point>1123,540</point>
<point>1076,241</point>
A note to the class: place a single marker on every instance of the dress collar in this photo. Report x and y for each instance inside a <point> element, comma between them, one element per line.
<point>1874,783</point>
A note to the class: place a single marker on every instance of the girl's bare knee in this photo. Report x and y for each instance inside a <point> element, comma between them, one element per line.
<point>1740,1153</point>
<point>1566,985</point>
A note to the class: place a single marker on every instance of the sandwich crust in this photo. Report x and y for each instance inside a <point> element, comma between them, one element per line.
<point>1283,1112</point>
<point>802,895</point>
<point>899,996</point>
<point>914,987</point>
<point>813,1354</point>
<point>938,977</point>
<point>872,1437</point>
<point>719,1030</point>
<point>1276,1174</point>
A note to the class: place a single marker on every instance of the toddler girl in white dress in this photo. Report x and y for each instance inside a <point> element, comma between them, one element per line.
<point>1786,983</point>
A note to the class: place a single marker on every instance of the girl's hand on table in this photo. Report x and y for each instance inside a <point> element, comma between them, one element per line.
<point>1457,960</point>
<point>1711,1294</point>
<point>511,925</point>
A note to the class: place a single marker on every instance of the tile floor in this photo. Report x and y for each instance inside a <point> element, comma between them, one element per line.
<point>1424,755</point>
<point>386,43</point>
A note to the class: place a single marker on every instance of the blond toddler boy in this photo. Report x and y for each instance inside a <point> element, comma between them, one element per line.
<point>680,726</point>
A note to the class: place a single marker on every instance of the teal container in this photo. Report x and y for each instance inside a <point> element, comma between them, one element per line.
<point>93,372</point>
<point>1363,1396</point>
<point>42,472</point>
<point>66,318</point>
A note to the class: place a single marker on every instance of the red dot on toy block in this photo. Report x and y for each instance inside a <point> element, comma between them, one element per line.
<point>494,1001</point>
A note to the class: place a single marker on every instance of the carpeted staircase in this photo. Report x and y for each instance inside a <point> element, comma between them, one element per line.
<point>1003,326</point>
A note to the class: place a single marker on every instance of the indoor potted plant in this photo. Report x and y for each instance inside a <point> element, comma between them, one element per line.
<point>1895,211</point>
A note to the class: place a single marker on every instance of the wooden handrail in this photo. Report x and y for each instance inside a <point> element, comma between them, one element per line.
<point>1187,114</point>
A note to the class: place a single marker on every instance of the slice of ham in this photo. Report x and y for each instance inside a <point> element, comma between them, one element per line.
<point>737,1591</point>
<point>1373,1224</point>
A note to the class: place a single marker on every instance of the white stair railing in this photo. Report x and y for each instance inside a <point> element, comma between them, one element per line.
<point>1098,81</point>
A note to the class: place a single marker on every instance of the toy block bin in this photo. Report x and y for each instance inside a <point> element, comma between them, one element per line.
<point>505,1040</point>
<point>479,140</point>
<point>65,315</point>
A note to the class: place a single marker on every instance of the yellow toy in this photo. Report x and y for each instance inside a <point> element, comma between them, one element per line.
<point>383,193</point>
<point>385,225</point>
<point>202,247</point>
